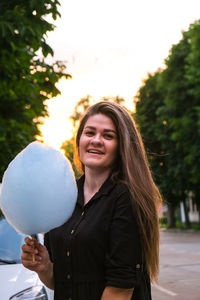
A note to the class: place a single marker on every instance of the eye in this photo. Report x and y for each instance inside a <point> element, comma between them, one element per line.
<point>108,136</point>
<point>89,132</point>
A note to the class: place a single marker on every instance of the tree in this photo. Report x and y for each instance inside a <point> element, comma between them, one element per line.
<point>117,99</point>
<point>26,80</point>
<point>69,146</point>
<point>179,113</point>
<point>80,109</point>
<point>192,75</point>
<point>154,131</point>
<point>174,112</point>
<point>182,107</point>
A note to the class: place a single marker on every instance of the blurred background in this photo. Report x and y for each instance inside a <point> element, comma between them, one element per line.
<point>58,58</point>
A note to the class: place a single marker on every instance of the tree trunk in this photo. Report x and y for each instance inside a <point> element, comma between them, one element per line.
<point>198,209</point>
<point>171,216</point>
<point>186,211</point>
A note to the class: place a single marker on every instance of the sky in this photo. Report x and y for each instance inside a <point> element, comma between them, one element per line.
<point>109,47</point>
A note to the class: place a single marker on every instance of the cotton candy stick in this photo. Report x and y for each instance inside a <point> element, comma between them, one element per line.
<point>33,255</point>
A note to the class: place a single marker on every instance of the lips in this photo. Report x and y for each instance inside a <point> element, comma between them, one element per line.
<point>94,151</point>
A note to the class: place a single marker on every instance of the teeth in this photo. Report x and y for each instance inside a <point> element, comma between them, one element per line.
<point>93,151</point>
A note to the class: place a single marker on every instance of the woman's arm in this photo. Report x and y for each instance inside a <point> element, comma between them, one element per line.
<point>113,293</point>
<point>46,276</point>
<point>35,257</point>
<point>124,254</point>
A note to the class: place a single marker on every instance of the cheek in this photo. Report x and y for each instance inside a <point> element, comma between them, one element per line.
<point>114,151</point>
<point>82,145</point>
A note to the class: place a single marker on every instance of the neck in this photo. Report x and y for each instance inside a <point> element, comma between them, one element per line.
<point>93,182</point>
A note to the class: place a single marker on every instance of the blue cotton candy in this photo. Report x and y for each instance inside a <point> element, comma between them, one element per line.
<point>39,190</point>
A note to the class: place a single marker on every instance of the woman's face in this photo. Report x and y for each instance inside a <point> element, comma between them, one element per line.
<point>98,143</point>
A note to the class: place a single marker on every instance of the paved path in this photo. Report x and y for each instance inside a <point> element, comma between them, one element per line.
<point>179,277</point>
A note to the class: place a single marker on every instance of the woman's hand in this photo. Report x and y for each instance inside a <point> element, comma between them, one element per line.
<point>35,257</point>
<point>113,293</point>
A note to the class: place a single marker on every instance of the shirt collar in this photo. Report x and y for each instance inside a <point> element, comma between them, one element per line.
<point>105,188</point>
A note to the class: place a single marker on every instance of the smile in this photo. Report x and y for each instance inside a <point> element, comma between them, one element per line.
<point>95,151</point>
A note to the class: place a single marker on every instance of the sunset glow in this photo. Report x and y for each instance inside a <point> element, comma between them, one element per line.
<point>109,48</point>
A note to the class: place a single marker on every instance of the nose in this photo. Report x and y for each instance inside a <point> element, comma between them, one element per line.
<point>96,139</point>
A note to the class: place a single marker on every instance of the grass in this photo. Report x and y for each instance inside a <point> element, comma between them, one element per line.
<point>164,224</point>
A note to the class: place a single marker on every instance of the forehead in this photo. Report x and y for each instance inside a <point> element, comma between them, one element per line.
<point>100,121</point>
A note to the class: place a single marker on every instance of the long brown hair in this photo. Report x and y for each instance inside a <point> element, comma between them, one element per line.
<point>132,168</point>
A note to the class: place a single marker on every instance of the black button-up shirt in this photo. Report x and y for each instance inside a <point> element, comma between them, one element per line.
<point>98,246</point>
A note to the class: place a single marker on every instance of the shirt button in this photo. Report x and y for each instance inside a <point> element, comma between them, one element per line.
<point>82,213</point>
<point>72,231</point>
<point>68,253</point>
<point>68,276</point>
<point>138,266</point>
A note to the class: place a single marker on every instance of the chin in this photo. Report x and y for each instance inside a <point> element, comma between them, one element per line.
<point>98,167</point>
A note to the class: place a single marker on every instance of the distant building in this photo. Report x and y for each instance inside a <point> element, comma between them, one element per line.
<point>194,215</point>
<point>193,212</point>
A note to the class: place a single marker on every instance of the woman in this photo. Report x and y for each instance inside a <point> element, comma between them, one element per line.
<point>109,248</point>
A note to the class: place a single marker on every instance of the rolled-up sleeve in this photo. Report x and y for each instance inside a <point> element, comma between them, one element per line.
<point>124,256</point>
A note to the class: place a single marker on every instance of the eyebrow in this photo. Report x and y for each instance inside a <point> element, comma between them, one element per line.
<point>105,130</point>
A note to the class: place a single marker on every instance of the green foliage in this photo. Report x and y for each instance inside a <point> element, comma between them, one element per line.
<point>79,110</point>
<point>163,220</point>
<point>192,75</point>
<point>195,226</point>
<point>168,113</point>
<point>182,226</point>
<point>26,80</point>
<point>69,147</point>
<point>181,79</point>
<point>84,103</point>
<point>117,99</point>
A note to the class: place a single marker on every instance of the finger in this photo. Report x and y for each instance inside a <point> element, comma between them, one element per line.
<point>29,257</point>
<point>29,263</point>
<point>28,249</point>
<point>29,241</point>
<point>39,246</point>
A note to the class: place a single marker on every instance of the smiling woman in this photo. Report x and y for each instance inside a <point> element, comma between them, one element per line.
<point>98,144</point>
<point>108,249</point>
